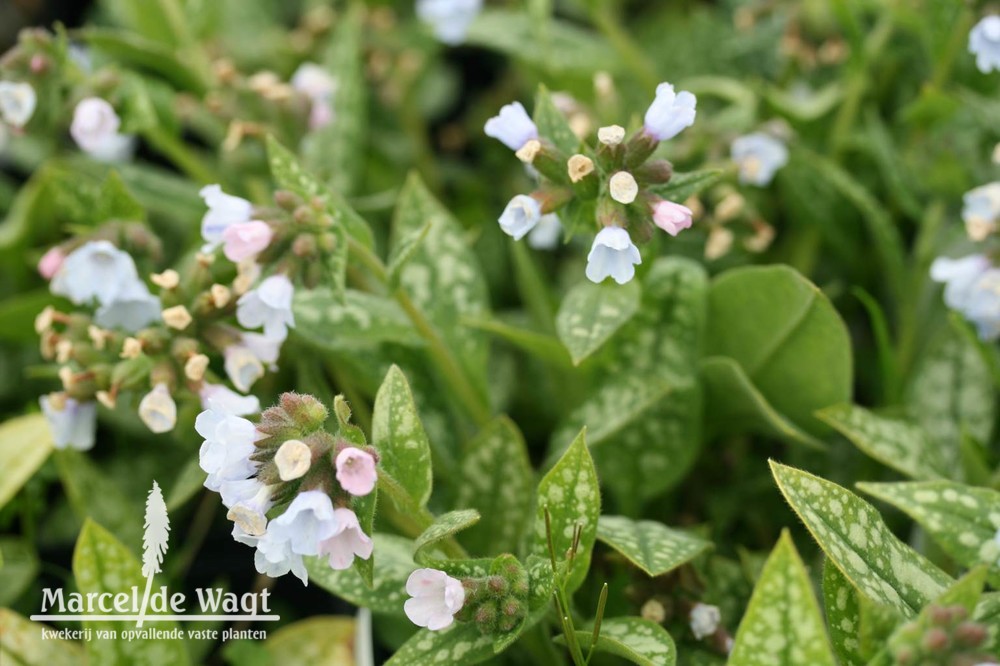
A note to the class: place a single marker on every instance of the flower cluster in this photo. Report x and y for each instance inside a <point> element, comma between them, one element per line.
<point>616,179</point>
<point>289,485</point>
<point>984,43</point>
<point>972,283</point>
<point>941,635</point>
<point>166,341</point>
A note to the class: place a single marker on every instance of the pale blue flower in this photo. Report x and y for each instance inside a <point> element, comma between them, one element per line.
<point>17,103</point>
<point>96,270</point>
<point>512,126</point>
<point>758,156</point>
<point>134,309</point>
<point>520,216</point>
<point>546,234</point>
<point>983,306</point>
<point>223,211</point>
<point>72,424</point>
<point>450,19</point>
<point>959,276</point>
<point>269,306</point>
<point>984,43</point>
<point>612,254</point>
<point>306,523</point>
<point>981,210</point>
<point>669,113</point>
<point>229,443</point>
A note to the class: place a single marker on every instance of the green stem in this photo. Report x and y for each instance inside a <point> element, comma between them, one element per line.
<point>178,153</point>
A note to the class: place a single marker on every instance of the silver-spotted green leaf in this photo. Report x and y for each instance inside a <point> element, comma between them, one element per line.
<point>644,419</point>
<point>638,640</point>
<point>782,625</point>
<point>552,124</point>
<point>393,565</point>
<point>898,444</point>
<point>951,394</point>
<point>856,539</point>
<point>95,495</point>
<point>963,520</point>
<point>461,644</point>
<point>843,615</point>
<point>23,644</point>
<point>403,252</point>
<point>782,330</point>
<point>102,564</point>
<point>444,526</point>
<point>649,545</point>
<point>443,278</point>
<point>289,174</point>
<point>737,406</point>
<point>591,313</point>
<point>541,582</point>
<point>987,613</point>
<point>498,481</point>
<point>336,150</point>
<point>685,185</point>
<point>327,640</point>
<point>400,438</point>
<point>358,320</point>
<point>572,497</point>
<point>25,443</point>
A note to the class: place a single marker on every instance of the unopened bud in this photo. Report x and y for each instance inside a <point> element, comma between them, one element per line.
<point>730,206</point>
<point>131,348</point>
<point>305,410</point>
<point>720,241</point>
<point>935,640</point>
<point>612,135</point>
<point>64,351</point>
<point>168,279</point>
<point>220,295</point>
<point>98,336</point>
<point>623,187</point>
<point>653,611</point>
<point>293,459</point>
<point>579,167</point>
<point>529,151</point>
<point>106,399</point>
<point>177,317</point>
<point>158,410</point>
<point>67,377</point>
<point>195,367</point>
<point>44,320</point>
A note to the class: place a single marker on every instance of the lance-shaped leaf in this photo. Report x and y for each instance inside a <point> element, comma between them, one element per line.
<point>570,494</point>
<point>25,443</point>
<point>786,336</point>
<point>649,545</point>
<point>638,640</point>
<point>987,613</point>
<point>782,625</point>
<point>102,565</point>
<point>388,590</point>
<point>903,446</point>
<point>685,185</point>
<point>952,393</point>
<point>444,526</point>
<point>461,644</point>
<point>552,123</point>
<point>400,438</point>
<point>856,539</point>
<point>23,644</point>
<point>443,277</point>
<point>843,614</point>
<point>963,520</point>
<point>591,313</point>
<point>357,321</point>
<point>498,481</point>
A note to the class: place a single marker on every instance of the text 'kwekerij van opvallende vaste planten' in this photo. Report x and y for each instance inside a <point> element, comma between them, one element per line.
<point>511,332</point>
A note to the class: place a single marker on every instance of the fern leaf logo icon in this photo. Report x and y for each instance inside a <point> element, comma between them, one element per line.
<point>154,541</point>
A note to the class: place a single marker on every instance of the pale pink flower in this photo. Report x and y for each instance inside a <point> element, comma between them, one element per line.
<point>671,217</point>
<point>347,541</point>
<point>244,240</point>
<point>50,262</point>
<point>436,598</point>
<point>356,471</point>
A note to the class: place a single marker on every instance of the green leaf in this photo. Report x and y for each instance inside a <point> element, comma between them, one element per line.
<point>444,526</point>
<point>187,484</point>
<point>18,568</point>
<point>144,54</point>
<point>895,443</point>
<point>17,315</point>
<point>683,186</point>
<point>23,645</point>
<point>963,520</point>
<point>736,406</point>
<point>636,639</point>
<point>843,614</point>
<point>115,202</point>
<point>649,545</point>
<point>336,151</point>
<point>461,644</point>
<point>855,538</point>
<point>951,394</point>
<point>443,279</point>
<point>572,497</point>
<point>387,594</point>
<point>357,321</point>
<point>25,444</point>
<point>290,175</point>
<point>94,495</point>
<point>399,435</point>
<point>498,481</point>
<point>403,252</point>
<point>324,639</point>
<point>787,337</point>
<point>567,49</point>
<point>988,614</point>
<point>552,124</point>
<point>545,348</point>
<point>102,564</point>
<point>591,313</point>
<point>782,625</point>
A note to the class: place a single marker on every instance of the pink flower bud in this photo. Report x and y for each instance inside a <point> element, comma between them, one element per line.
<point>356,471</point>
<point>671,217</point>
<point>50,262</point>
<point>244,240</point>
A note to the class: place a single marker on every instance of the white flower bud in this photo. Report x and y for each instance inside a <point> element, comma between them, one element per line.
<point>720,241</point>
<point>195,367</point>
<point>220,295</point>
<point>67,377</point>
<point>168,279</point>
<point>293,460</point>
<point>623,187</point>
<point>612,135</point>
<point>158,410</point>
<point>98,336</point>
<point>44,320</point>
<point>704,620</point>
<point>106,399</point>
<point>529,151</point>
<point>131,348</point>
<point>579,167</point>
<point>177,317</point>
<point>64,351</point>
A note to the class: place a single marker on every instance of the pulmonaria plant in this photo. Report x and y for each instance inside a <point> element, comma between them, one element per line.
<point>608,189</point>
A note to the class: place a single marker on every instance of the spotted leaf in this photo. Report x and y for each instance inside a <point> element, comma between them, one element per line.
<point>23,644</point>
<point>357,321</point>
<point>399,436</point>
<point>856,539</point>
<point>636,639</point>
<point>652,547</point>
<point>782,625</point>
<point>591,313</point>
<point>444,526</point>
